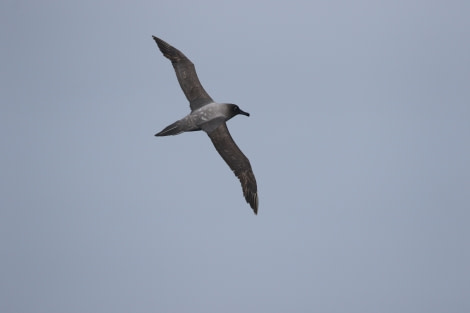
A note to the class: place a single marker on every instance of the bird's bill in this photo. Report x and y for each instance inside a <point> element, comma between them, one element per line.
<point>244,113</point>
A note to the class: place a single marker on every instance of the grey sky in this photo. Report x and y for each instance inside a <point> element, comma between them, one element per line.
<point>358,136</point>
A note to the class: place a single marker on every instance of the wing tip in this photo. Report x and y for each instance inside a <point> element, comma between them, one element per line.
<point>253,201</point>
<point>170,52</point>
<point>158,40</point>
<point>161,44</point>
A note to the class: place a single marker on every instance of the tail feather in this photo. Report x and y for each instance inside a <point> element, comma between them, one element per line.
<point>173,129</point>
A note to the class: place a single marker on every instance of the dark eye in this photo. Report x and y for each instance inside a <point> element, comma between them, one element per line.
<point>235,108</point>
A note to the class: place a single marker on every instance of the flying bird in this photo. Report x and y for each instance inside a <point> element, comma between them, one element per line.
<point>211,117</point>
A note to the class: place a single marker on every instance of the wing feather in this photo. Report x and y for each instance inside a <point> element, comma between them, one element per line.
<point>186,74</point>
<point>238,163</point>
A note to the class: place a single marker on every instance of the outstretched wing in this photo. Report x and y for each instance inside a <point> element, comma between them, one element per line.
<point>238,162</point>
<point>186,74</point>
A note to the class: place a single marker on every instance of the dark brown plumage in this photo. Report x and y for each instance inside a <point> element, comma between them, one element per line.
<point>216,127</point>
<point>238,162</point>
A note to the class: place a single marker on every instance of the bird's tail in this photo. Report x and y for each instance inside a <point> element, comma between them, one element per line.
<point>173,129</point>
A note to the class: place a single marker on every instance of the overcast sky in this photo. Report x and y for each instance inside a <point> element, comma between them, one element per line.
<point>358,136</point>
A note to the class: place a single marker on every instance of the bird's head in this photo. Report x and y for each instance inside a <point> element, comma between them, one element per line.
<point>235,110</point>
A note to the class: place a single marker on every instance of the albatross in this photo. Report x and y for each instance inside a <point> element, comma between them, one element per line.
<point>211,117</point>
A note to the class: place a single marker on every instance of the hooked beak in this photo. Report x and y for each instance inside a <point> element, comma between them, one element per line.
<point>244,113</point>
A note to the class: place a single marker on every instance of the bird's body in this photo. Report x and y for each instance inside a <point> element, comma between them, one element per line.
<point>211,117</point>
<point>207,118</point>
